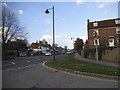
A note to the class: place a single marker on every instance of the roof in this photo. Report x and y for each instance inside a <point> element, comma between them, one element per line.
<point>104,23</point>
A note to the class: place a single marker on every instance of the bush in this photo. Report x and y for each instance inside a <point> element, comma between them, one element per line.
<point>92,51</point>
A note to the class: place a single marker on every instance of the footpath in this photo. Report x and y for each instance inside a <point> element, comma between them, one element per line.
<point>77,56</point>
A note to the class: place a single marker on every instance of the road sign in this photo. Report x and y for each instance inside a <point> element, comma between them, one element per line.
<point>96,41</point>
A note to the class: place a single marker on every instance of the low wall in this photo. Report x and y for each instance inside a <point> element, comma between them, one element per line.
<point>111,55</point>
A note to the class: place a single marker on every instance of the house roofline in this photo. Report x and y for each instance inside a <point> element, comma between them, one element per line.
<point>104,20</point>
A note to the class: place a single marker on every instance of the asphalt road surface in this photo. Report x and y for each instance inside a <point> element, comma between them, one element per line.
<point>23,62</point>
<point>29,72</point>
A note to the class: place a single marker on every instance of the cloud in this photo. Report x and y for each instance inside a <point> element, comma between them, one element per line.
<point>21,11</point>
<point>102,5</point>
<point>80,1</point>
<point>68,43</point>
<point>48,38</point>
<point>62,39</point>
<point>5,4</point>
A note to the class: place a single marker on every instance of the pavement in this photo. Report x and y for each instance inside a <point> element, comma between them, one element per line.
<point>79,57</point>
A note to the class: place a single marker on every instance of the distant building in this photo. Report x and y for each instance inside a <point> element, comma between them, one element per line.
<point>44,42</point>
<point>55,45</point>
<point>42,46</point>
<point>34,46</point>
<point>108,32</point>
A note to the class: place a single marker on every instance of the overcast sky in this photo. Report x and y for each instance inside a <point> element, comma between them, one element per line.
<point>70,18</point>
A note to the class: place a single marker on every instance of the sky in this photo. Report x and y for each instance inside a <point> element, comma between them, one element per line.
<point>70,19</point>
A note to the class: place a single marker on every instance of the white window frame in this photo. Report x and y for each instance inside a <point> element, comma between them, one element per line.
<point>113,41</point>
<point>97,41</point>
<point>95,24</point>
<point>117,21</point>
<point>118,30</point>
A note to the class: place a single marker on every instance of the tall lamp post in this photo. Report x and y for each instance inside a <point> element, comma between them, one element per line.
<point>47,12</point>
<point>73,43</point>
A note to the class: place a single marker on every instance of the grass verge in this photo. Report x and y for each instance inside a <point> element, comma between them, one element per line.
<point>69,62</point>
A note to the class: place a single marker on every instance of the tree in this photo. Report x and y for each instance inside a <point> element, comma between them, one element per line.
<point>10,28</point>
<point>78,45</point>
<point>86,44</point>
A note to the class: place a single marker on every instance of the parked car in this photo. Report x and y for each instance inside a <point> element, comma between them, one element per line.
<point>69,52</point>
<point>48,54</point>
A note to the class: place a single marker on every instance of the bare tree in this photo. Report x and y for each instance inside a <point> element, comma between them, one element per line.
<point>10,27</point>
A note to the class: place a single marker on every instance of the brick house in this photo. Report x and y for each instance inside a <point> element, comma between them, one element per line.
<point>108,32</point>
<point>34,46</point>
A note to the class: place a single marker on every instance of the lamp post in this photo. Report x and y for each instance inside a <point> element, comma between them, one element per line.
<point>73,43</point>
<point>47,12</point>
<point>96,42</point>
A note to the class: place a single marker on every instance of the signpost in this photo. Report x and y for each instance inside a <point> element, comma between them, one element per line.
<point>96,43</point>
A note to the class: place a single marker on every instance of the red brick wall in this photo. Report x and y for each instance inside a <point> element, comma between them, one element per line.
<point>34,46</point>
<point>103,36</point>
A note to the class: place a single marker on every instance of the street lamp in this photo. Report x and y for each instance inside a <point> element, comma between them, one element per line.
<point>73,43</point>
<point>47,12</point>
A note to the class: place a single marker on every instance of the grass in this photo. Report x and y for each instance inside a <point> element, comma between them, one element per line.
<point>69,62</point>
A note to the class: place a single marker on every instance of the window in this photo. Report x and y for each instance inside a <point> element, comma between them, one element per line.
<point>118,30</point>
<point>117,21</point>
<point>96,41</point>
<point>95,24</point>
<point>111,42</point>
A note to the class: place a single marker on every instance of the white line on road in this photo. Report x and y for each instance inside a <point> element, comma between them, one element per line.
<point>12,69</point>
<point>28,61</point>
<point>13,63</point>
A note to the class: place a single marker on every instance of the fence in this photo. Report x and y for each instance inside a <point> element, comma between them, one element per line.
<point>111,55</point>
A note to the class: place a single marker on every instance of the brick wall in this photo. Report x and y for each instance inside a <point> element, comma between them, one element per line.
<point>104,35</point>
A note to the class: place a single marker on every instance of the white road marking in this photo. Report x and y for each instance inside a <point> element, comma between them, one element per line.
<point>28,61</point>
<point>12,69</point>
<point>13,63</point>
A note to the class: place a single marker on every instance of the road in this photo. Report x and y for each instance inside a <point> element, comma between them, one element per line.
<point>29,72</point>
<point>23,62</point>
